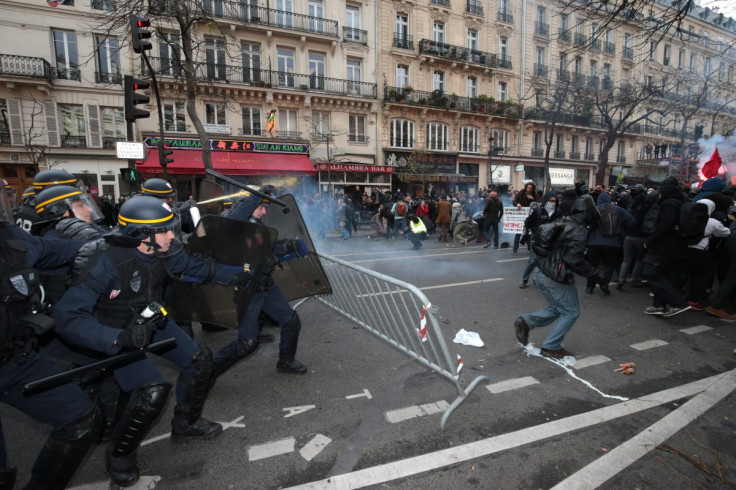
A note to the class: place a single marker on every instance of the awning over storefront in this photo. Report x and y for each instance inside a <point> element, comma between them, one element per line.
<point>190,162</point>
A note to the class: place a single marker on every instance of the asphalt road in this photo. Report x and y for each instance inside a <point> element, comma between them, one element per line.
<point>367,416</point>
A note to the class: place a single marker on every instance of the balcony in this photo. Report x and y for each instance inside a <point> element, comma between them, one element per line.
<point>469,148</point>
<point>457,53</point>
<point>252,14</point>
<point>108,78</point>
<point>474,8</point>
<point>609,48</point>
<point>595,45</point>
<point>590,157</point>
<point>69,141</point>
<point>438,99</point>
<point>578,79</point>
<point>352,35</point>
<point>4,139</point>
<point>607,83</point>
<point>559,154</point>
<point>620,159</point>
<point>67,74</point>
<point>25,66</point>
<point>442,3</point>
<point>666,62</point>
<point>574,155</point>
<point>176,126</point>
<point>593,81</point>
<point>563,75</point>
<point>564,35</point>
<point>403,42</point>
<point>288,135</point>
<point>541,29</point>
<point>505,16</point>
<point>540,70</point>
<point>537,152</point>
<point>357,138</point>
<point>628,53</point>
<point>504,61</point>
<point>252,132</point>
<point>580,39</point>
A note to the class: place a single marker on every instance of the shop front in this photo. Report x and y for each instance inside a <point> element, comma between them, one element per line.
<point>431,173</point>
<point>337,178</point>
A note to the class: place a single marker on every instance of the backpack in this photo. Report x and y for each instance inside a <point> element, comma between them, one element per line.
<point>400,208</point>
<point>609,223</point>
<point>693,220</point>
<point>546,238</point>
<point>649,221</point>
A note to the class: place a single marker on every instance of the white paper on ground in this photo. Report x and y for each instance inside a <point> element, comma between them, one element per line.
<point>468,338</point>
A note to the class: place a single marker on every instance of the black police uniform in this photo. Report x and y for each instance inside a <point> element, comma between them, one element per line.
<point>75,418</point>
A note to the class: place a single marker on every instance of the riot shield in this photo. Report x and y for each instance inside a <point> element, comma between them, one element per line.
<point>303,276</point>
<point>230,242</point>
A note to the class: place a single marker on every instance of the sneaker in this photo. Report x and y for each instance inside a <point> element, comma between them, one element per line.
<point>695,306</point>
<point>522,330</point>
<point>555,354</point>
<point>654,310</point>
<point>720,313</point>
<point>676,311</point>
<point>486,245</point>
<point>523,285</point>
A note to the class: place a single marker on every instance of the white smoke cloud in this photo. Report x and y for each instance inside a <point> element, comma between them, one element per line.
<point>726,148</point>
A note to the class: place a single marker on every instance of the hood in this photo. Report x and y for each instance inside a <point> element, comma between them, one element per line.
<point>584,210</point>
<point>711,205</point>
<point>624,200</point>
<point>714,184</point>
<point>569,195</point>
<point>244,209</point>
<point>549,195</point>
<point>604,198</point>
<point>670,192</point>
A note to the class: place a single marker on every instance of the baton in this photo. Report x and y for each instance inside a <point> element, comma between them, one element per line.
<point>245,187</point>
<point>44,384</point>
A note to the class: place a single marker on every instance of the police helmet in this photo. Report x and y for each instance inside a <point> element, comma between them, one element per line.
<point>51,204</point>
<point>53,177</point>
<point>143,216</point>
<point>158,188</point>
<point>12,195</point>
<point>29,195</point>
<point>6,210</point>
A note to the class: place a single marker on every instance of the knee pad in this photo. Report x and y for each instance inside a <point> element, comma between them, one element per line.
<point>148,401</point>
<point>203,362</point>
<point>295,324</point>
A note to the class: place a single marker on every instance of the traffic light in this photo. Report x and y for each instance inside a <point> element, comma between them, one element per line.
<point>139,33</point>
<point>163,152</point>
<point>131,175</point>
<point>132,99</point>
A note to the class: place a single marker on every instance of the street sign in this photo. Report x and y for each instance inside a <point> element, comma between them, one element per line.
<point>131,150</point>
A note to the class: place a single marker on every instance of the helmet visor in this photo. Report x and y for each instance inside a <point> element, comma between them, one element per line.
<point>84,207</point>
<point>6,206</point>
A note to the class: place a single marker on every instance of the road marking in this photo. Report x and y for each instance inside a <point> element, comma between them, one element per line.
<point>516,259</point>
<point>428,253</point>
<point>649,344</point>
<point>273,448</point>
<point>365,393</point>
<point>455,284</point>
<point>297,410</point>
<point>414,411</point>
<point>454,455</point>
<point>590,361</point>
<point>314,447</point>
<point>605,467</point>
<point>145,483</point>
<point>225,425</point>
<point>511,384</point>
<point>696,329</point>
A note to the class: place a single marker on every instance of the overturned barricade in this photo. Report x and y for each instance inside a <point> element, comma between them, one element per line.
<point>398,313</point>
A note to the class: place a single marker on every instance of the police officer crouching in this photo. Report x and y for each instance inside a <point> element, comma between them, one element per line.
<point>417,231</point>
<point>75,418</point>
<point>113,280</point>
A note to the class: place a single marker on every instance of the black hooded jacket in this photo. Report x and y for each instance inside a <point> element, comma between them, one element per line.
<point>666,241</point>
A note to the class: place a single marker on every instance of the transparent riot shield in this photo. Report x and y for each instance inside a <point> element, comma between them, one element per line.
<point>303,276</point>
<point>230,242</point>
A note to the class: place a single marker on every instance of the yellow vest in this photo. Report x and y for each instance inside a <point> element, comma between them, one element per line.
<point>417,227</point>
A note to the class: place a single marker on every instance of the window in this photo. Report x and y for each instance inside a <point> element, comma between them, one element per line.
<point>667,54</point>
<point>593,68</point>
<point>707,67</point>
<point>538,98</point>
<point>609,36</point>
<point>287,123</point>
<point>537,141</point>
<point>471,87</point>
<point>214,7</point>
<point>316,12</point>
<point>500,141</point>
<point>573,144</point>
<point>402,27</point>
<point>503,47</point>
<point>540,56</point>
<point>438,80</point>
<point>174,116</point>
<point>65,47</point>
<point>108,60</point>
<point>438,32</point>
<point>624,75</point>
<point>317,71</point>
<point>356,128</point>
<point>676,125</point>
<point>321,126</point>
<point>285,66</point>
<point>692,61</point>
<point>354,74</point>
<point>402,76</point>
<point>563,62</point>
<point>589,149</point>
<point>251,120</point>
<point>681,58</point>
<point>106,5</point>
<point>541,14</point>
<point>251,59</point>
<point>472,40</point>
<point>721,71</point>
<point>215,58</point>
<point>606,70</point>
<point>564,22</point>
<point>652,50</point>
<point>113,126</point>
<point>559,144</point>
<point>402,133</point>
<point>578,65</point>
<point>284,13</point>
<point>169,49</point>
<point>469,139</point>
<point>627,41</point>
<point>214,113</point>
<point>437,137</point>
<point>353,31</point>
<point>503,94</point>
<point>74,130</point>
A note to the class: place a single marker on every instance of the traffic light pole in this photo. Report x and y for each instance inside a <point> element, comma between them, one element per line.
<point>161,155</point>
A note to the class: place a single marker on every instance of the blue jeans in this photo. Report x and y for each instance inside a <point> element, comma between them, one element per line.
<point>489,225</point>
<point>530,265</point>
<point>563,309</point>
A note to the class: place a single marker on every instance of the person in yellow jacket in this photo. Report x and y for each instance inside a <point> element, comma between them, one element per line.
<point>417,231</point>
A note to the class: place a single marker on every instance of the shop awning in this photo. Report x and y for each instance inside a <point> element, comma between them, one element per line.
<point>190,162</point>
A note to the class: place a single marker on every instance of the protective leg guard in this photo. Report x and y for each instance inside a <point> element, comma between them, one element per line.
<point>287,347</point>
<point>60,458</point>
<point>187,422</point>
<point>144,407</point>
<point>232,353</point>
<point>7,478</point>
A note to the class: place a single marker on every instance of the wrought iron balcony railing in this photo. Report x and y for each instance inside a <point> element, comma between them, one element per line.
<point>253,14</point>
<point>628,53</point>
<point>620,159</point>
<point>606,83</point>
<point>352,35</point>
<point>403,42</point>
<point>109,142</point>
<point>474,8</point>
<point>595,45</point>
<point>540,70</point>
<point>580,39</point>
<point>5,138</point>
<point>109,78</point>
<point>609,48</point>
<point>437,98</point>
<point>505,16</point>
<point>541,28</point>
<point>71,141</point>
<point>593,81</point>
<point>590,157</point>
<point>357,138</point>
<point>252,132</point>
<point>176,126</point>
<point>67,74</point>
<point>537,152</point>
<point>574,155</point>
<point>25,66</point>
<point>457,53</point>
<point>469,147</point>
<point>504,61</point>
<point>559,154</point>
<point>564,35</point>
<point>442,3</point>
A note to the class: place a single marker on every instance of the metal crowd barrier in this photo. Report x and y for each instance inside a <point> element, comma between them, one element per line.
<point>392,310</point>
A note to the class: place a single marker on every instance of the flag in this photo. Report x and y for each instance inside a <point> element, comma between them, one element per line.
<point>422,330</point>
<point>620,177</point>
<point>710,169</point>
<point>271,121</point>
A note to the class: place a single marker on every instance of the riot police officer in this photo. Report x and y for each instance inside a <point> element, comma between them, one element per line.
<point>68,212</point>
<point>161,189</point>
<point>269,298</point>
<point>25,216</point>
<point>52,177</point>
<point>113,279</point>
<point>75,418</point>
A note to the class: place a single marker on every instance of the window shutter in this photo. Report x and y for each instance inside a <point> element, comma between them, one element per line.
<point>15,121</point>
<point>52,123</point>
<point>92,117</point>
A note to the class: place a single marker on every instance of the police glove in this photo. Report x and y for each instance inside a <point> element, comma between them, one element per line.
<point>270,264</point>
<point>137,335</point>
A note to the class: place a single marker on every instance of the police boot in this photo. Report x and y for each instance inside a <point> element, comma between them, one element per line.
<point>144,407</point>
<point>187,422</point>
<point>7,478</point>
<point>60,458</point>
<point>232,353</point>
<point>287,348</point>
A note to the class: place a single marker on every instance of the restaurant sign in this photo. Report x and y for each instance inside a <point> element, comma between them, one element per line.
<point>341,167</point>
<point>231,145</point>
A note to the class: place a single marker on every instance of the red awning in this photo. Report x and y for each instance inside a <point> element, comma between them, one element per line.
<point>229,163</point>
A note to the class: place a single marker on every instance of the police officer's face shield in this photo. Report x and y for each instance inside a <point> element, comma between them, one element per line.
<point>83,207</point>
<point>12,197</point>
<point>165,241</point>
<point>6,208</point>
